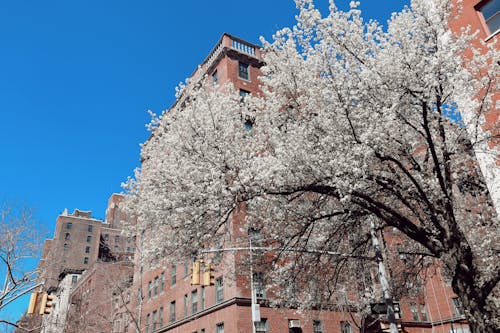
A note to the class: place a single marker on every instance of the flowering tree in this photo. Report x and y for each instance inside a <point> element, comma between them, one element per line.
<point>355,123</point>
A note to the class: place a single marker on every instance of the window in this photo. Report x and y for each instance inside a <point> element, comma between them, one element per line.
<point>194,301</point>
<point>162,281</point>
<point>148,317</point>
<point>345,327</point>
<point>66,247</point>
<point>185,305</point>
<point>74,279</point>
<point>255,236</point>
<point>186,268</point>
<point>459,330</point>
<point>423,311</point>
<point>160,319</point>
<point>258,285</point>
<point>87,249</point>
<point>248,125</point>
<point>153,321</point>
<point>457,306</point>
<point>89,239</point>
<point>414,312</point>
<point>202,330</point>
<point>202,298</point>
<point>172,311</point>
<point>117,238</point>
<point>215,77</point>
<point>243,94</point>
<point>150,288</point>
<point>219,328</point>
<point>243,70</point>
<point>173,275</point>
<point>261,326</point>
<point>67,236</point>
<point>155,286</point>
<point>69,225</point>
<point>85,260</point>
<point>219,290</point>
<point>491,14</point>
<point>89,228</point>
<point>106,237</point>
<point>318,326</point>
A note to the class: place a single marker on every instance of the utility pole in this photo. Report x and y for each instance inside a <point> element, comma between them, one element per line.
<point>253,306</point>
<point>383,279</point>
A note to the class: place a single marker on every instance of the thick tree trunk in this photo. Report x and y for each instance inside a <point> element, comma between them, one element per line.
<point>482,316</point>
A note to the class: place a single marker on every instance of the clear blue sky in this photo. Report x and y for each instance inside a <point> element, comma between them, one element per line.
<point>77,78</point>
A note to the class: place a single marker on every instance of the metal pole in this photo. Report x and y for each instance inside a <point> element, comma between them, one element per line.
<point>252,291</point>
<point>383,279</point>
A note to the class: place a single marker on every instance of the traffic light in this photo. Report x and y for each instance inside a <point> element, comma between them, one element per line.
<point>33,302</point>
<point>46,304</point>
<point>195,272</point>
<point>208,275</point>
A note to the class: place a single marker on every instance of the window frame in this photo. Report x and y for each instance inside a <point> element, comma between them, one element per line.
<point>155,286</point>
<point>202,298</point>
<point>194,301</point>
<point>423,312</point>
<point>219,290</point>
<point>245,71</point>
<point>173,275</point>
<point>261,326</point>
<point>414,311</point>
<point>185,305</point>
<point>219,327</point>
<point>172,312</point>
<point>154,317</point>
<point>345,327</point>
<point>458,307</point>
<point>479,9</point>
<point>160,317</point>
<point>259,285</point>
<point>215,77</point>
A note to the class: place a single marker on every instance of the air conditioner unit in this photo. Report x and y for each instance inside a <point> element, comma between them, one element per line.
<point>295,323</point>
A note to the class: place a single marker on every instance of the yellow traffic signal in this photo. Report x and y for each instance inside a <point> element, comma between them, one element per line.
<point>33,302</point>
<point>208,275</point>
<point>46,304</point>
<point>195,272</point>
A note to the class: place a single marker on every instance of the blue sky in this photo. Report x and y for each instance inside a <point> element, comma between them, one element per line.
<point>77,78</point>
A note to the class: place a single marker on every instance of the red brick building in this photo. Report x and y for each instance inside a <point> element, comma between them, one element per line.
<point>85,264</point>
<point>167,302</point>
<point>484,16</point>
